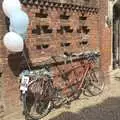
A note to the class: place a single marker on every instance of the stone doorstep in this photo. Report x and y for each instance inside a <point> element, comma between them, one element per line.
<point>115,73</point>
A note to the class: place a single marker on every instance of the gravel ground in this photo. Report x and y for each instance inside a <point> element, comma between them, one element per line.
<point>103,107</point>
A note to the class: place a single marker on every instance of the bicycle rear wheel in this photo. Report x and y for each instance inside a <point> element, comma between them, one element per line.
<point>94,82</point>
<point>35,106</point>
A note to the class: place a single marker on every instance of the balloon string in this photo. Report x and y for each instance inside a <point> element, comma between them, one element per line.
<point>26,60</point>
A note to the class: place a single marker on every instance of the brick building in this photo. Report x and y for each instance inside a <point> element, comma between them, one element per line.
<point>47,18</point>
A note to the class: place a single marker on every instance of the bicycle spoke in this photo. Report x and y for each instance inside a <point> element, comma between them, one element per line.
<point>96,84</point>
<point>33,109</point>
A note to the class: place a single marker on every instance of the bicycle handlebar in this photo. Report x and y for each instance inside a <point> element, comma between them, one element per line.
<point>85,55</point>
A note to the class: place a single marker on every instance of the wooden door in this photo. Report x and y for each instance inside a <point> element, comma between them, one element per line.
<point>116,38</point>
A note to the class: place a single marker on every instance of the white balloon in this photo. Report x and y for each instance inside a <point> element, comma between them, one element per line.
<point>23,35</point>
<point>10,6</point>
<point>13,42</point>
<point>19,21</point>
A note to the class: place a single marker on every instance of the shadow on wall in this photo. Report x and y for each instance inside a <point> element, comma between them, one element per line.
<point>17,61</point>
<point>108,110</point>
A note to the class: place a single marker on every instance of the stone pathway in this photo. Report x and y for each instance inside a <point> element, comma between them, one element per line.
<point>103,107</point>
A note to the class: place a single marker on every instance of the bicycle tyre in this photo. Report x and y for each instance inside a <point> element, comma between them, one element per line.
<point>95,82</point>
<point>29,116</point>
<point>39,113</point>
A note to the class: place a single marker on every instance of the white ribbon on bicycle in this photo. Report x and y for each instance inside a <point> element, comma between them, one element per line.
<point>24,84</point>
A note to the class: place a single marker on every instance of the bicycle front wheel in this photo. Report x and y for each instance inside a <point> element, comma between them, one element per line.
<point>37,106</point>
<point>37,110</point>
<point>95,82</point>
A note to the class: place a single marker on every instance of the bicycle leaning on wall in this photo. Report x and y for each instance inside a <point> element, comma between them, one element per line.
<point>40,94</point>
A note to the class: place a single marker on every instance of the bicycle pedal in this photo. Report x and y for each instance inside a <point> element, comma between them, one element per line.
<point>23,112</point>
<point>68,103</point>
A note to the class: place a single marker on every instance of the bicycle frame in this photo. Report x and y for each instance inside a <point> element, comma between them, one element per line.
<point>86,68</point>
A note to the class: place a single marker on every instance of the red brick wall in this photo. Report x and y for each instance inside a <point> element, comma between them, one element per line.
<point>54,39</point>
<point>10,91</point>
